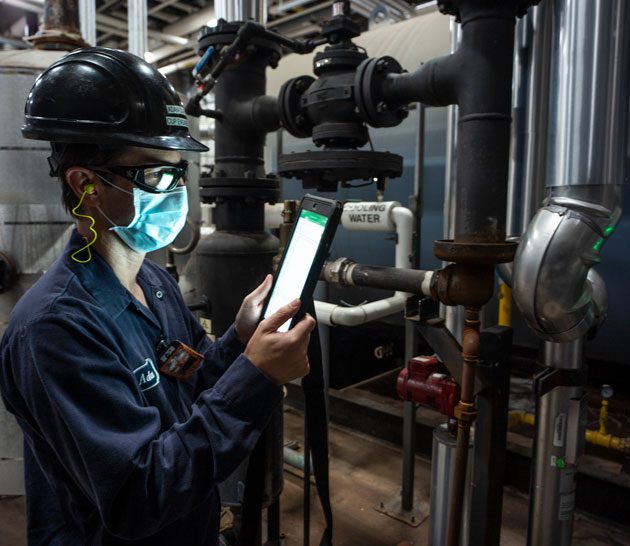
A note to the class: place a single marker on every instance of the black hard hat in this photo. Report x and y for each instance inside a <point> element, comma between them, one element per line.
<point>110,98</point>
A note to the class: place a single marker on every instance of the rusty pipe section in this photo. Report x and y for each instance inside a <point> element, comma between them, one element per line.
<point>465,414</point>
<point>457,284</point>
<point>60,28</point>
<point>288,217</point>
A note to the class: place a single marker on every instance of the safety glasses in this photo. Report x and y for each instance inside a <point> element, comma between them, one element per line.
<point>151,178</point>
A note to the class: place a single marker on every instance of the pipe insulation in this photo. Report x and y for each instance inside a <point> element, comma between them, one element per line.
<point>554,287</point>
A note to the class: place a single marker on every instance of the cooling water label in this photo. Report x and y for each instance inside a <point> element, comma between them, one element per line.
<point>369,216</point>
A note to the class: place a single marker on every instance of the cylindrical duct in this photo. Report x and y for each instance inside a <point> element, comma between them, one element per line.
<point>537,113</point>
<point>588,104</point>
<point>241,10</point>
<point>558,444</point>
<point>442,466</point>
<point>137,27</point>
<point>585,164</point>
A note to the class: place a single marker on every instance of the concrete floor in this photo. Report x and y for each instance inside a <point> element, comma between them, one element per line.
<point>364,473</point>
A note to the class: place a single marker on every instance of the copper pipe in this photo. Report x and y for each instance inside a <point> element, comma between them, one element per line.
<point>465,414</point>
<point>288,215</point>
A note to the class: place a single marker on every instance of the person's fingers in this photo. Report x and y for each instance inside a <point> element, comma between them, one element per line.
<point>302,328</point>
<point>272,323</point>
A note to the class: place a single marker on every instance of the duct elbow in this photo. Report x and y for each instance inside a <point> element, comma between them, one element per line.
<point>554,285</point>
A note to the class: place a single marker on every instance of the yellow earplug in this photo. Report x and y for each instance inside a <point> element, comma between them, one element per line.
<point>89,189</point>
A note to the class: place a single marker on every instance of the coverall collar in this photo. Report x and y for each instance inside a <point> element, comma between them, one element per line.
<point>100,280</point>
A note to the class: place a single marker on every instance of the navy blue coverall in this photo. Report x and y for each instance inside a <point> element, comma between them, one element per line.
<point>115,452</point>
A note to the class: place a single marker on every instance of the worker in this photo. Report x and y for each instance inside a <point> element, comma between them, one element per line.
<point>131,415</point>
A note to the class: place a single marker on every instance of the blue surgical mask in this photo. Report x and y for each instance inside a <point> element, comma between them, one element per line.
<point>158,219</point>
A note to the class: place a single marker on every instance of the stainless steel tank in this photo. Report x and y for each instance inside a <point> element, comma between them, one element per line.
<point>34,226</point>
<point>442,467</point>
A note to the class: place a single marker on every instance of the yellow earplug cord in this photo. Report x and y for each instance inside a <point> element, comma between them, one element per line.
<point>88,189</point>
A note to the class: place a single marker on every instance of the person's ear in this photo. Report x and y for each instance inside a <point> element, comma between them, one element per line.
<point>82,180</point>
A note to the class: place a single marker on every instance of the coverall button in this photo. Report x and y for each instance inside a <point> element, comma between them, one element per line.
<point>159,294</point>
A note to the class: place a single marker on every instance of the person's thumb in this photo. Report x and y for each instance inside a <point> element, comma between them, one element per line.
<point>272,323</point>
<point>262,290</point>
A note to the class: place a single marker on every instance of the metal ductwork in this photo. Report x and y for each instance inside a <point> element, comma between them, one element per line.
<point>554,286</point>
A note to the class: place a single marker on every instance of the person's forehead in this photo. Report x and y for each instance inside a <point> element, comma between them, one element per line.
<point>141,156</point>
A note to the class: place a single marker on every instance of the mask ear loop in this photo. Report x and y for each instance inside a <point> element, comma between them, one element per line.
<point>89,189</point>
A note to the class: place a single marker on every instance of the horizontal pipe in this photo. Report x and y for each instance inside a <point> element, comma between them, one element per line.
<point>595,437</point>
<point>345,272</point>
<point>337,315</point>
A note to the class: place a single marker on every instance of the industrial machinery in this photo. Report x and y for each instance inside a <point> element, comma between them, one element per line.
<point>537,90</point>
<point>352,91</point>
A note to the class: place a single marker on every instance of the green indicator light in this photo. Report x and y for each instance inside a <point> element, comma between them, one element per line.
<point>598,245</point>
<point>609,230</point>
<point>560,463</point>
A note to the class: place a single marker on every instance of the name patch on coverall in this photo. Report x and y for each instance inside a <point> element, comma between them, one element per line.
<point>147,375</point>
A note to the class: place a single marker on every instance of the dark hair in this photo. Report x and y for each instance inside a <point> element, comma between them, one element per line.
<point>65,156</point>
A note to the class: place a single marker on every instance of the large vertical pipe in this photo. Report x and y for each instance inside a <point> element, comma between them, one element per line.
<point>411,333</point>
<point>453,315</point>
<point>537,113</point>
<point>522,55</point>
<point>60,26</point>
<point>137,29</point>
<point>241,10</point>
<point>558,443</point>
<point>483,139</point>
<point>585,163</point>
<point>87,16</point>
<point>584,173</point>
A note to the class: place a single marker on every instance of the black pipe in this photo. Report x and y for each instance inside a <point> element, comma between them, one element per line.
<point>490,438</point>
<point>346,272</point>
<point>389,278</point>
<point>240,134</point>
<point>477,77</point>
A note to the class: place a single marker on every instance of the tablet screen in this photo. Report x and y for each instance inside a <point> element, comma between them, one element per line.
<point>297,262</point>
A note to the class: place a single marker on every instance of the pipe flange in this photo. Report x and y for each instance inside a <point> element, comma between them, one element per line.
<point>369,96</point>
<point>290,106</point>
<point>324,169</point>
<point>251,189</point>
<point>475,253</point>
<point>224,33</point>
<point>452,7</point>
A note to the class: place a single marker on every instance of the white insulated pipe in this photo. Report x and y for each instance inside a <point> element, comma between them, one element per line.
<point>378,216</point>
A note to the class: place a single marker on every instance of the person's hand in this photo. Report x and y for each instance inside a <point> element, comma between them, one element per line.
<point>281,356</point>
<point>248,315</point>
